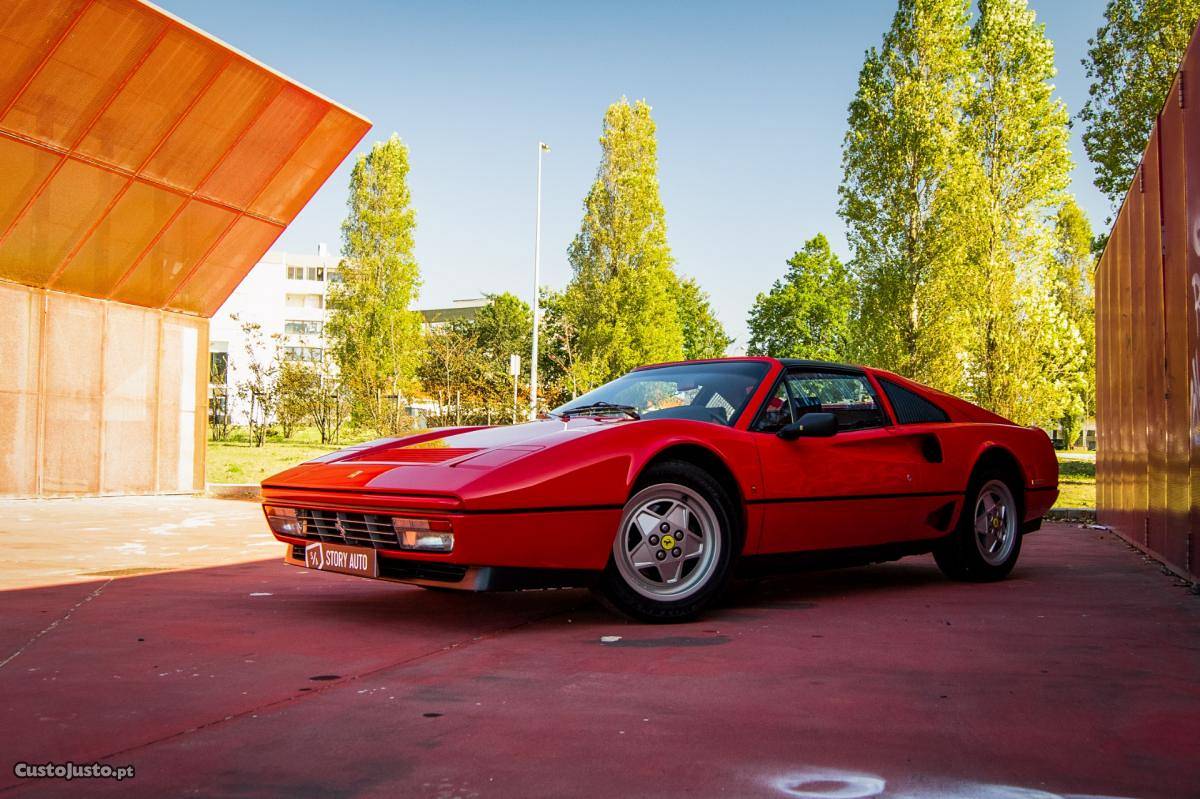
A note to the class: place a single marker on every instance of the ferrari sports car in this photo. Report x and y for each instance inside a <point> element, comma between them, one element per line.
<point>657,488</point>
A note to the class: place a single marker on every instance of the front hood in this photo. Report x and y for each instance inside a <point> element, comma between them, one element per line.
<point>439,461</point>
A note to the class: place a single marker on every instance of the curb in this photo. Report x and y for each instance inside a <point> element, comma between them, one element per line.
<point>251,492</point>
<point>1071,515</point>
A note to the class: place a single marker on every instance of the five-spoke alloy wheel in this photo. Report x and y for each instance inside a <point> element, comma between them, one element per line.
<point>987,541</point>
<point>670,542</point>
<point>995,522</point>
<point>672,550</point>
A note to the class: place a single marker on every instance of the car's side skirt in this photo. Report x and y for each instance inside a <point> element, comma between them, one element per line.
<point>782,562</point>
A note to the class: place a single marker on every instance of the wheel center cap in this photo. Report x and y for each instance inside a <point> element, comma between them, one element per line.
<point>668,542</point>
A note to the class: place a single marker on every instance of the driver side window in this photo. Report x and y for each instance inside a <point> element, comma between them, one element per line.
<point>777,412</point>
<point>849,397</point>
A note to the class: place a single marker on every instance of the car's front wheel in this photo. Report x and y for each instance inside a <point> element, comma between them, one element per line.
<point>671,555</point>
<point>988,539</point>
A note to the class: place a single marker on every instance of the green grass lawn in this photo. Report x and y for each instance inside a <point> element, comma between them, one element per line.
<point>236,461</point>
<point>1076,480</point>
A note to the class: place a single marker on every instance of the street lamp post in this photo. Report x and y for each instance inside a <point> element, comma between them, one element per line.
<point>537,268</point>
<point>514,369</point>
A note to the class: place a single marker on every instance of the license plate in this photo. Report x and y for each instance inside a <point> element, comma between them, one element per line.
<point>337,558</point>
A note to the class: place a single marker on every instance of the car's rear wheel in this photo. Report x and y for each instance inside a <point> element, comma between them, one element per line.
<point>987,542</point>
<point>671,555</point>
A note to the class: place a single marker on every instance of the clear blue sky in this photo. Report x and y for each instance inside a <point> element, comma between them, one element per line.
<point>750,102</point>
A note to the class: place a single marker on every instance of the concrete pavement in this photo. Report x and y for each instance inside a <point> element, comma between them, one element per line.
<point>1078,676</point>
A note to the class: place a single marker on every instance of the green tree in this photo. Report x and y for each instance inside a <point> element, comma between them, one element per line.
<point>1131,62</point>
<point>558,345</point>
<point>703,334</point>
<point>621,299</point>
<point>309,392</point>
<point>259,389</point>
<point>807,313</point>
<point>292,384</point>
<point>901,150</point>
<point>375,338</point>
<point>449,369</point>
<point>1020,351</point>
<point>1071,283</point>
<point>502,328</point>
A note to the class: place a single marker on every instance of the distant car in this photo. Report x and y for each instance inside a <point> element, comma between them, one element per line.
<point>655,487</point>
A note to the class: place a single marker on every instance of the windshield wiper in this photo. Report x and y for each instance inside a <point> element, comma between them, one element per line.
<point>601,407</point>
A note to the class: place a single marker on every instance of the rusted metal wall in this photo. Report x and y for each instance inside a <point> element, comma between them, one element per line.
<point>99,397</point>
<point>1147,325</point>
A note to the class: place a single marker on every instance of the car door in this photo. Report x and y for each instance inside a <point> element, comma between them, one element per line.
<point>946,448</point>
<point>852,489</point>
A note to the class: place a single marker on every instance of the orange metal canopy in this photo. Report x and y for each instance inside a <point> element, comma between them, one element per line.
<point>144,161</point>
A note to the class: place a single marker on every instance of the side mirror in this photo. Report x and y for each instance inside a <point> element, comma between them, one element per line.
<point>811,425</point>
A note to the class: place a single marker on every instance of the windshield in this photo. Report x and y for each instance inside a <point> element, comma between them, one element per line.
<point>707,392</point>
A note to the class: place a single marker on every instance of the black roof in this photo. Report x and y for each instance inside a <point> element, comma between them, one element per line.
<point>807,364</point>
<point>787,362</point>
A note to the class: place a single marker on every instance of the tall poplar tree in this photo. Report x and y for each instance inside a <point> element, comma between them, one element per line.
<point>1020,351</point>
<point>1071,282</point>
<point>622,296</point>
<point>1131,61</point>
<point>375,337</point>
<point>901,148</point>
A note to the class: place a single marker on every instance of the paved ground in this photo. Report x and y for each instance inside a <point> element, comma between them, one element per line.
<point>1080,675</point>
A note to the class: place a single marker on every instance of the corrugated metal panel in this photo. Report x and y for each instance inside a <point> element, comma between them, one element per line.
<point>145,161</point>
<point>1155,357</point>
<point>1180,548</point>
<point>1147,332</point>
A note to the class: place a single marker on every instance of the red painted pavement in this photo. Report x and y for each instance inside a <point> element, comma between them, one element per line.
<point>1080,675</point>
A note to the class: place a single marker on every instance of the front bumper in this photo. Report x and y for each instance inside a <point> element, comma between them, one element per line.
<point>538,538</point>
<point>493,550</point>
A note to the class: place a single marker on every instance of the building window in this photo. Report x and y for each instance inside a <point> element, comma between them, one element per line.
<point>316,273</point>
<point>333,275</point>
<point>218,406</point>
<point>301,327</point>
<point>305,301</point>
<point>218,367</point>
<point>295,272</point>
<point>306,354</point>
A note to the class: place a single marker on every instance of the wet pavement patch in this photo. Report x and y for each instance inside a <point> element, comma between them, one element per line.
<point>669,641</point>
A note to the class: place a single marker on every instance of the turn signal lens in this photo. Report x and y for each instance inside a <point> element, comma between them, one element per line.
<point>283,520</point>
<point>424,535</point>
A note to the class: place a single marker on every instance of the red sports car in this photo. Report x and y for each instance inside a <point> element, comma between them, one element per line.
<point>655,488</point>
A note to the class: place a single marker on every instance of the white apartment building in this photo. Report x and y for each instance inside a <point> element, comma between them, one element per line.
<point>285,294</point>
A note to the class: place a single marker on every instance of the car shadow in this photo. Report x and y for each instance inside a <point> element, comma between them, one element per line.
<point>800,588</point>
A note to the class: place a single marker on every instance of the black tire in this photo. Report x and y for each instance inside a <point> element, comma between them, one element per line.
<point>707,506</point>
<point>969,556</point>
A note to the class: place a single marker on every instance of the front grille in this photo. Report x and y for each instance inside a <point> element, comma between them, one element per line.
<point>353,529</point>
<point>408,569</point>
